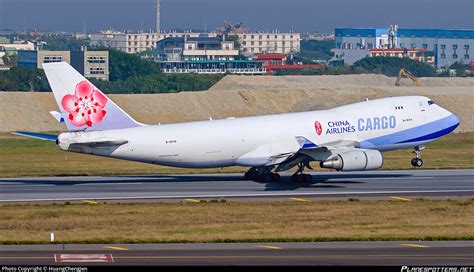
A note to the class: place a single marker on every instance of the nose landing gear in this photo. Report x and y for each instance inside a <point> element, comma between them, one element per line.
<point>417,161</point>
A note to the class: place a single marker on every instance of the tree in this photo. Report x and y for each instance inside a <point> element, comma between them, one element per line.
<point>9,60</point>
<point>314,50</point>
<point>123,66</point>
<point>23,79</point>
<point>235,39</point>
<point>390,66</point>
<point>62,43</point>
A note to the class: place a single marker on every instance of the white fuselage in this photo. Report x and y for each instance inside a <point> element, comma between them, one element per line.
<point>382,124</point>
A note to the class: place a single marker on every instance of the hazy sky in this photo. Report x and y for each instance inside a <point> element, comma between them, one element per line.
<point>298,15</point>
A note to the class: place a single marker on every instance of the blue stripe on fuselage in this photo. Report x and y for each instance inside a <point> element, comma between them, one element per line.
<point>421,133</point>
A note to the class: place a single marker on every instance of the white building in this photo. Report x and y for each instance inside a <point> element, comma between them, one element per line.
<point>135,42</point>
<point>447,45</point>
<point>269,42</point>
<point>18,45</point>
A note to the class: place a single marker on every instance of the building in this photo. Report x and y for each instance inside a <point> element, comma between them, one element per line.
<point>203,55</point>
<point>446,45</point>
<point>135,42</point>
<point>91,64</point>
<point>195,48</point>
<point>316,36</point>
<point>273,62</point>
<point>16,45</point>
<point>8,48</point>
<point>34,59</point>
<point>418,54</point>
<point>449,45</point>
<point>269,42</point>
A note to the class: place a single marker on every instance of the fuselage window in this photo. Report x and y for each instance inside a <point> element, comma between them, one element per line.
<point>431,102</point>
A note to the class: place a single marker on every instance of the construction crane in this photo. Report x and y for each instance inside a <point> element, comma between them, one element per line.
<point>406,74</point>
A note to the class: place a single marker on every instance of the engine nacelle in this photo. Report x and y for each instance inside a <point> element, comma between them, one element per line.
<point>356,160</point>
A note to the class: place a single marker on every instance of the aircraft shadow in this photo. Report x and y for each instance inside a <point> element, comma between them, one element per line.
<point>319,180</point>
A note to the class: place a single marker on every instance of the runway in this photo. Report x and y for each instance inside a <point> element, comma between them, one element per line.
<point>325,185</point>
<point>460,253</point>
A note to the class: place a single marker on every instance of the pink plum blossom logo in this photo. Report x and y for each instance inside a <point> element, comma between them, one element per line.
<point>318,127</point>
<point>85,106</point>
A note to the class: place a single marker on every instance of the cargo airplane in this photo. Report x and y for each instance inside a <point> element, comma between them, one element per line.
<point>346,138</point>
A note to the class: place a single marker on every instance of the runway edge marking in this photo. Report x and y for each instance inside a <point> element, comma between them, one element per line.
<point>401,198</point>
<point>116,248</point>
<point>300,199</point>
<point>270,247</point>
<point>415,245</point>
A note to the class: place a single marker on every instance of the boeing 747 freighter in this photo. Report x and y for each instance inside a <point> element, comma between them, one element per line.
<point>346,138</point>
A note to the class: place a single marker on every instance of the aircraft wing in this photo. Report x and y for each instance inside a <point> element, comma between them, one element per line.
<point>309,151</point>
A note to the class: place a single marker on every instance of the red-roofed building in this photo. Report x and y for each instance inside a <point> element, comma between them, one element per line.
<point>418,54</point>
<point>272,62</point>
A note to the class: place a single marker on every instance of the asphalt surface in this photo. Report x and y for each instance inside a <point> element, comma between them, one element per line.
<point>415,183</point>
<point>328,253</point>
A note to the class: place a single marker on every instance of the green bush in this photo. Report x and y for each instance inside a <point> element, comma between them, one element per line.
<point>391,66</point>
<point>314,50</point>
<point>23,79</point>
<point>128,74</point>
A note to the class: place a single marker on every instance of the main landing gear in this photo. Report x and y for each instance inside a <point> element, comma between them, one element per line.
<point>299,176</point>
<point>417,161</point>
<point>264,174</point>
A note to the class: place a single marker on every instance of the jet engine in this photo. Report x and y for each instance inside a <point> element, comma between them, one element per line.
<point>356,160</point>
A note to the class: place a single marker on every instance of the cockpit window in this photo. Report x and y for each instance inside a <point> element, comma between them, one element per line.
<point>431,102</point>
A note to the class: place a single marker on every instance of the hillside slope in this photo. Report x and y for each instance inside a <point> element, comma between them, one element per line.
<point>236,96</point>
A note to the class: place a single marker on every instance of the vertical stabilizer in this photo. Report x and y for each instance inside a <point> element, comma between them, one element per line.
<point>81,104</point>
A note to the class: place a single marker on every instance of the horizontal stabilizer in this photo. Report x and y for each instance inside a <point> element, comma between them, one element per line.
<point>57,116</point>
<point>46,137</point>
<point>101,144</point>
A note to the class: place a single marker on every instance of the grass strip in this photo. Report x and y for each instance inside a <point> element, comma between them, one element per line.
<point>233,222</point>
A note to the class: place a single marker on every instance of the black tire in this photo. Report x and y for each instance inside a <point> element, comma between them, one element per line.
<point>419,163</point>
<point>416,162</point>
<point>295,178</point>
<point>275,177</point>
<point>251,175</point>
<point>267,177</point>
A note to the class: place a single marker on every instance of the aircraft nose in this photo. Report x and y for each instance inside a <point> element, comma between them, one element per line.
<point>455,119</point>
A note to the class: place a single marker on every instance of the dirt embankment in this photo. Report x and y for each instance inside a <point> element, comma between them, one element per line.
<point>246,96</point>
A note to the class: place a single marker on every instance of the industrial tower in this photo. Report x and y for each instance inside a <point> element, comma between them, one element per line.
<point>158,27</point>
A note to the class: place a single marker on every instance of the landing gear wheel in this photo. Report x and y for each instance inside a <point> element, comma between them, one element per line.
<point>301,178</point>
<point>416,162</point>
<point>275,177</point>
<point>261,175</point>
<point>251,174</point>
